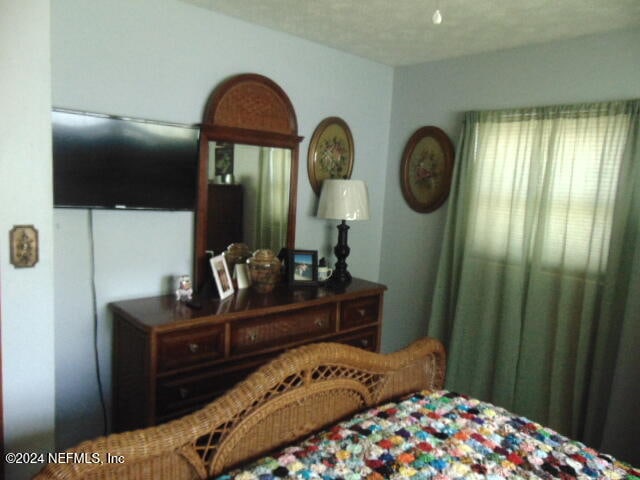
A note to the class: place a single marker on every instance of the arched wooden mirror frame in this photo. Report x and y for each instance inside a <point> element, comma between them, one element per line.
<point>249,109</point>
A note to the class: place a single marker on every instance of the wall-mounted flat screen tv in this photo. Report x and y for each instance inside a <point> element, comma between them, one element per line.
<point>102,161</point>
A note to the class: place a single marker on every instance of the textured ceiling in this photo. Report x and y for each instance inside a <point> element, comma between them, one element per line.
<point>400,32</point>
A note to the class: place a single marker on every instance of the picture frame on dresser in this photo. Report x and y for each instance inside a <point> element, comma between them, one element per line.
<point>302,267</point>
<point>221,276</point>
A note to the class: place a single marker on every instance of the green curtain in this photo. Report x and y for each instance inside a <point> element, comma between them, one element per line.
<point>541,246</point>
<point>272,209</point>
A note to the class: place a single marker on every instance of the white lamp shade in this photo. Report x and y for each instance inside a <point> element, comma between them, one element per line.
<point>344,200</point>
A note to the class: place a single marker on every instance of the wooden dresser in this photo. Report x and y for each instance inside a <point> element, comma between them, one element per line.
<point>170,359</point>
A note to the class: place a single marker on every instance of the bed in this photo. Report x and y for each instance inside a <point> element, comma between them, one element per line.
<point>334,411</point>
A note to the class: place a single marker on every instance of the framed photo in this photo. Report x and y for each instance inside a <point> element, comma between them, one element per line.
<point>426,169</point>
<point>223,158</point>
<point>302,267</point>
<point>221,276</point>
<point>330,152</point>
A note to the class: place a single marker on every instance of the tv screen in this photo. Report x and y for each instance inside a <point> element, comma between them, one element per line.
<point>101,161</point>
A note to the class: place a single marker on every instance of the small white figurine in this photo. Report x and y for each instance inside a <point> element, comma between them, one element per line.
<point>185,290</point>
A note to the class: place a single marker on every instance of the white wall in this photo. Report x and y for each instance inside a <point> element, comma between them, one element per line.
<point>137,254</point>
<point>26,293</point>
<point>592,68</point>
<point>161,60</point>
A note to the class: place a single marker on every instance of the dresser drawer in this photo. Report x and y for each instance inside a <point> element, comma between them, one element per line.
<point>359,312</point>
<point>278,330</point>
<point>180,393</point>
<point>190,346</point>
<point>365,339</point>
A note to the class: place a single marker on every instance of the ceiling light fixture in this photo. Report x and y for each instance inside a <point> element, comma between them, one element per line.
<point>437,17</point>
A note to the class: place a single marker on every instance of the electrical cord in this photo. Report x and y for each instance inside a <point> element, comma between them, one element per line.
<point>95,322</point>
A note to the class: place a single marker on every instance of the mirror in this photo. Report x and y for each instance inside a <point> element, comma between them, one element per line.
<point>247,170</point>
<point>248,196</point>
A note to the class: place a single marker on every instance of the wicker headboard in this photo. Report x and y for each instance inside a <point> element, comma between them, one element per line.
<point>300,392</point>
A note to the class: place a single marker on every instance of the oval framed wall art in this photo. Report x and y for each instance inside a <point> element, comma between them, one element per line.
<point>426,169</point>
<point>331,152</point>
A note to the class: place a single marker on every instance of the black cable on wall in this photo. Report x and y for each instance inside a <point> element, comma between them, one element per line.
<point>95,322</point>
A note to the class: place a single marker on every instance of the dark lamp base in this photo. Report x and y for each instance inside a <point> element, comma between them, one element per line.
<point>341,275</point>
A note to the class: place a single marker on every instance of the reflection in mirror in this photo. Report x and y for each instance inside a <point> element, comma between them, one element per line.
<point>247,109</point>
<point>249,189</point>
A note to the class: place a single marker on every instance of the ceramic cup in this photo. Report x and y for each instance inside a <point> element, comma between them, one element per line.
<point>324,273</point>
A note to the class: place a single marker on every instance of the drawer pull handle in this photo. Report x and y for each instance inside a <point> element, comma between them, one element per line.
<point>253,337</point>
<point>194,347</point>
<point>184,392</point>
<point>319,322</point>
<point>362,312</point>
<point>364,342</point>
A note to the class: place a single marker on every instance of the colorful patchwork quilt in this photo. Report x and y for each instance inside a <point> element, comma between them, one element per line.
<point>440,436</point>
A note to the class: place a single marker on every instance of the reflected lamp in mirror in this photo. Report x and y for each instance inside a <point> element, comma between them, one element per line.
<point>343,200</point>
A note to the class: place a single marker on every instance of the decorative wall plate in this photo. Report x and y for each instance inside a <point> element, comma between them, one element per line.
<point>426,169</point>
<point>330,152</point>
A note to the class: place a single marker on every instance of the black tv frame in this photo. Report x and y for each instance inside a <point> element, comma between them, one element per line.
<point>114,162</point>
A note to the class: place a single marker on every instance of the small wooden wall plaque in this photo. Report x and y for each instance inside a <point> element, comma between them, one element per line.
<point>23,240</point>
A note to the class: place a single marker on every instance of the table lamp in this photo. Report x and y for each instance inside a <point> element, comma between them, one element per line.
<point>343,200</point>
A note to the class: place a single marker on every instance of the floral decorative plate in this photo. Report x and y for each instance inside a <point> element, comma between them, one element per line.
<point>426,169</point>
<point>330,152</point>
